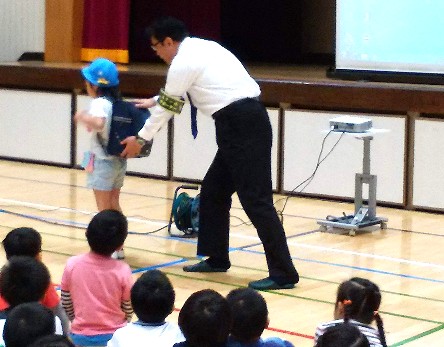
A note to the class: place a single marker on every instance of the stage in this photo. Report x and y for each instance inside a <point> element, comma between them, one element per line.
<point>300,100</point>
<point>305,87</point>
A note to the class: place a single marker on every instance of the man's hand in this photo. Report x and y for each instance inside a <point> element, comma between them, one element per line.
<point>132,147</point>
<point>144,103</point>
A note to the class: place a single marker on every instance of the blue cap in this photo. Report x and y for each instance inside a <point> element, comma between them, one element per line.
<point>101,72</point>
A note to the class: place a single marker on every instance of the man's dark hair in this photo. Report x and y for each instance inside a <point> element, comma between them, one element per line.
<point>23,279</point>
<point>249,312</point>
<point>22,241</point>
<point>205,319</point>
<point>107,231</point>
<point>27,322</point>
<point>152,297</point>
<point>167,27</point>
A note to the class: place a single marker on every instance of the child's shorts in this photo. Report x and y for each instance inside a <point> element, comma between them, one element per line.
<point>108,174</point>
<point>90,340</point>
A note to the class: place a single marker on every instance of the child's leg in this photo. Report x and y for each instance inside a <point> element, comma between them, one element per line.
<point>103,199</point>
<point>106,181</point>
<point>109,200</point>
<point>115,196</point>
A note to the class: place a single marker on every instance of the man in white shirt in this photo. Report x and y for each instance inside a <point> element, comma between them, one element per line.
<point>217,84</point>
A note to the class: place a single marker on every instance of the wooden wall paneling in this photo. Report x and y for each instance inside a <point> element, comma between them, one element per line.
<point>63,30</point>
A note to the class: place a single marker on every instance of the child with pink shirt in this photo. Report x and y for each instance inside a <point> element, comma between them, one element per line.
<point>96,289</point>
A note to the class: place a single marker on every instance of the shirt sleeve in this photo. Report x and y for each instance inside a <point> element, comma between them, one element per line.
<point>67,305</point>
<point>126,294</point>
<point>65,288</point>
<point>51,298</point>
<point>100,107</point>
<point>127,283</point>
<point>3,304</point>
<point>66,277</point>
<point>127,308</point>
<point>182,72</point>
<point>159,117</point>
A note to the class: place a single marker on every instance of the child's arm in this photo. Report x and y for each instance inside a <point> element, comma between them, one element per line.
<point>127,308</point>
<point>67,304</point>
<point>94,123</point>
<point>60,312</point>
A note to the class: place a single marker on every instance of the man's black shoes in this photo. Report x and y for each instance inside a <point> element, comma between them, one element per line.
<point>204,266</point>
<point>269,284</point>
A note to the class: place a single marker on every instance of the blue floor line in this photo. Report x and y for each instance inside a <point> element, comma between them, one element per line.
<point>158,266</point>
<point>357,268</point>
<point>231,249</point>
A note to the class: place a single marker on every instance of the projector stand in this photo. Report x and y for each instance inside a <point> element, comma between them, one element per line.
<point>364,215</point>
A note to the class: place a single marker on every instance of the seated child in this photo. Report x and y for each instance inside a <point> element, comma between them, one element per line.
<point>250,318</point>
<point>28,241</point>
<point>342,335</point>
<point>152,297</point>
<point>357,302</point>
<point>52,340</point>
<point>95,287</point>
<point>205,320</point>
<point>27,322</point>
<point>23,279</point>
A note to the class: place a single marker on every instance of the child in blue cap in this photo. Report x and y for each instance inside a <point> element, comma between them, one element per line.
<point>105,172</point>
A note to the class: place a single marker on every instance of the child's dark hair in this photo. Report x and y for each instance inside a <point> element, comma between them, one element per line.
<point>205,319</point>
<point>22,241</point>
<point>111,93</point>
<point>23,279</point>
<point>152,297</point>
<point>342,335</point>
<point>52,340</point>
<point>107,231</point>
<point>27,322</point>
<point>249,312</point>
<point>167,27</point>
<point>361,299</point>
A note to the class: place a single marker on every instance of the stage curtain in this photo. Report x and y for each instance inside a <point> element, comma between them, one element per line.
<point>202,17</point>
<point>106,30</point>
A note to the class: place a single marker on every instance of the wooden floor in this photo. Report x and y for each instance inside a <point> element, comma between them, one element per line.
<point>406,260</point>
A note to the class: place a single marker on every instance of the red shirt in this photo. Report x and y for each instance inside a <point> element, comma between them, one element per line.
<point>50,300</point>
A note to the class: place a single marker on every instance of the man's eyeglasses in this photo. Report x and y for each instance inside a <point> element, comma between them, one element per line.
<point>154,46</point>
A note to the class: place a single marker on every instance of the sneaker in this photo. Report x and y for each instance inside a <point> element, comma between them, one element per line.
<point>120,254</point>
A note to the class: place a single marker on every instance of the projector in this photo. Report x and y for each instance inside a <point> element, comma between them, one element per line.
<point>350,124</point>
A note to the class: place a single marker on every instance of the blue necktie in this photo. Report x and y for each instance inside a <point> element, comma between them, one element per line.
<point>193,117</point>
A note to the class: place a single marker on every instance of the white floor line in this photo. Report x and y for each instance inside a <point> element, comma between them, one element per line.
<point>50,208</point>
<point>341,251</point>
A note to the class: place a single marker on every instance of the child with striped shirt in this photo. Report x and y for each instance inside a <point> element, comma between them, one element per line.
<point>357,303</point>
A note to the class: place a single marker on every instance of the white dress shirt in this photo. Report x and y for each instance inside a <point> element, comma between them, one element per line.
<point>212,76</point>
